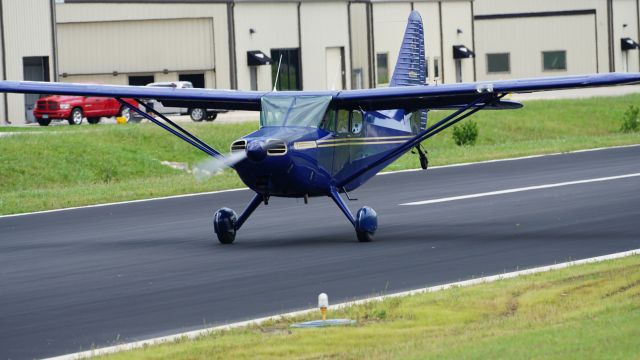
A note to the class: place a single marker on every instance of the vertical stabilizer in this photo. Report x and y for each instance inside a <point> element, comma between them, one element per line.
<point>411,67</point>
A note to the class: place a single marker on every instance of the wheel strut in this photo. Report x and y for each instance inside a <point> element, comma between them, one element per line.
<point>226,222</point>
<point>365,222</point>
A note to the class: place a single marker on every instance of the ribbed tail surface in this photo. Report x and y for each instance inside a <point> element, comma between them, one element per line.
<point>411,67</point>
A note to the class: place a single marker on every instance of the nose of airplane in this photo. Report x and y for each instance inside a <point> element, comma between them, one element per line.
<point>256,150</point>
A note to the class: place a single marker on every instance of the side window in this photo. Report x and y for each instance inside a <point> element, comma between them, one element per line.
<point>415,122</point>
<point>554,60</point>
<point>436,68</point>
<point>356,122</point>
<point>342,122</point>
<point>328,121</point>
<point>382,64</point>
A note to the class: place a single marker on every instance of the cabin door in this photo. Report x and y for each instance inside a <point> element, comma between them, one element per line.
<point>348,146</point>
<point>340,142</point>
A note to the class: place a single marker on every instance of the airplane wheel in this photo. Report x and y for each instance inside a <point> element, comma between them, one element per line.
<point>366,224</point>
<point>224,223</point>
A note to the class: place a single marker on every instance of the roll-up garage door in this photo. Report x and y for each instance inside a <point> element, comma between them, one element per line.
<point>136,46</point>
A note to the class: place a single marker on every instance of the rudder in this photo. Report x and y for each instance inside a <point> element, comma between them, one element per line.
<point>411,67</point>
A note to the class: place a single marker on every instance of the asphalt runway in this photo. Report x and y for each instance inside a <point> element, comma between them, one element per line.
<point>75,279</point>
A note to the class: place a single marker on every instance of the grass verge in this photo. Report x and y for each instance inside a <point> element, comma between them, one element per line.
<point>582,312</point>
<point>65,166</point>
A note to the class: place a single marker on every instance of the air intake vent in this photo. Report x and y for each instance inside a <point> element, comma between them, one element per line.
<point>276,147</point>
<point>239,145</point>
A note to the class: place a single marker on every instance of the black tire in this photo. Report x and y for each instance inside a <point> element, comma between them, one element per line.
<point>125,112</point>
<point>211,116</point>
<point>76,117</point>
<point>198,114</point>
<point>224,224</point>
<point>364,236</point>
<point>43,122</point>
<point>366,224</point>
<point>93,120</point>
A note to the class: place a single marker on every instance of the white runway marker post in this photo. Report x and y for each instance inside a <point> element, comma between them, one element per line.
<point>323,304</point>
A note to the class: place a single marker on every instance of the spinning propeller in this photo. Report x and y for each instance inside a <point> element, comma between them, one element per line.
<point>255,151</point>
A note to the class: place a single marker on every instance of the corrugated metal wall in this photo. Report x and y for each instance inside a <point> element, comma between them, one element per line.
<point>525,35</point>
<point>317,37</point>
<point>199,50</point>
<point>574,34</point>
<point>136,46</point>
<point>28,32</point>
<point>275,26</point>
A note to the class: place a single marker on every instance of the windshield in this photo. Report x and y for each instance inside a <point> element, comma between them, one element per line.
<point>305,111</point>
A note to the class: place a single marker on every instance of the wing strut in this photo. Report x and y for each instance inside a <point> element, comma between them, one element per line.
<point>460,114</point>
<point>175,129</point>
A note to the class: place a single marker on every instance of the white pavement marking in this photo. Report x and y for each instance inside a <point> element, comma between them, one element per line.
<point>122,202</point>
<point>380,174</point>
<point>528,188</point>
<point>198,333</point>
<point>513,159</point>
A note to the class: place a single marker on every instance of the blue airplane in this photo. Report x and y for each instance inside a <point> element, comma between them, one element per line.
<point>328,143</point>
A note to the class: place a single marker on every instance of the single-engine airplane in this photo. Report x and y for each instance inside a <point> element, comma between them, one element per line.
<point>328,143</point>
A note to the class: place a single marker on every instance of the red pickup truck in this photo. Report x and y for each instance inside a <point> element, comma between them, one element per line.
<point>75,108</point>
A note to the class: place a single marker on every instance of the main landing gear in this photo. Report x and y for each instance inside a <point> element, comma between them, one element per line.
<point>226,222</point>
<point>365,222</point>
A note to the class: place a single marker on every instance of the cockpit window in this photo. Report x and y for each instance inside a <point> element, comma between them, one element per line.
<point>305,111</point>
<point>356,122</point>
<point>343,121</point>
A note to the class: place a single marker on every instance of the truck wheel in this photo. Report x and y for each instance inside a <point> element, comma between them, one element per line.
<point>76,117</point>
<point>125,112</point>
<point>43,122</point>
<point>197,114</point>
<point>212,115</point>
<point>93,120</point>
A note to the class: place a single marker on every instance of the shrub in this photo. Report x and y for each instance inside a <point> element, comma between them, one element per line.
<point>465,134</point>
<point>630,120</point>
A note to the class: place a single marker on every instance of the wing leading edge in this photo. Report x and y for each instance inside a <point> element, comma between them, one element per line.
<point>215,99</point>
<point>409,97</point>
<point>455,95</point>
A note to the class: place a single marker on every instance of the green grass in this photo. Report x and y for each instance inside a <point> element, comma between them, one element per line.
<point>582,312</point>
<point>66,166</point>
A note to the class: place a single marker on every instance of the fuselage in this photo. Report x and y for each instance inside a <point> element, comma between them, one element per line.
<point>321,148</point>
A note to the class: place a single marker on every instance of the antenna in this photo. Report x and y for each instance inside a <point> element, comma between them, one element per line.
<point>275,83</point>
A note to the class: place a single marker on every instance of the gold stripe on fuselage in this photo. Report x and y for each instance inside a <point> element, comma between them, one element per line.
<point>304,145</point>
<point>365,139</point>
<point>362,143</point>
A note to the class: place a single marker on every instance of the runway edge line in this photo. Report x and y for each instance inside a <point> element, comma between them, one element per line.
<point>203,332</point>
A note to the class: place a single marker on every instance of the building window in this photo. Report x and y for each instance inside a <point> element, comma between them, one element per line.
<point>498,63</point>
<point>357,79</point>
<point>436,68</point>
<point>382,63</point>
<point>426,66</point>
<point>197,80</point>
<point>289,78</point>
<point>554,60</point>
<point>141,80</point>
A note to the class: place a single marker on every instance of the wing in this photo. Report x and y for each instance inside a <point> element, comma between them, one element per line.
<point>468,98</point>
<point>456,95</point>
<point>209,98</point>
